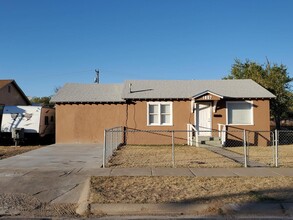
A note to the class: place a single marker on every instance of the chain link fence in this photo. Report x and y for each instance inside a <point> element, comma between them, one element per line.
<point>154,146</point>
<point>263,152</point>
<point>284,152</point>
<point>185,148</point>
<point>113,138</point>
<point>257,148</point>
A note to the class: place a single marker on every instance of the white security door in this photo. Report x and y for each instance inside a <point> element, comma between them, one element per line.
<point>203,118</point>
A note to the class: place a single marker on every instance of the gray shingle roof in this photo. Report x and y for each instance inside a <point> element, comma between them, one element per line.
<point>159,89</point>
<point>74,92</point>
<point>180,89</point>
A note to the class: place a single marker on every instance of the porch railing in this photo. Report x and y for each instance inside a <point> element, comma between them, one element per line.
<point>190,130</point>
<point>222,128</point>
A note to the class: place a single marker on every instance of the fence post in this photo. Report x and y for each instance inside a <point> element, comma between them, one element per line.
<point>124,135</point>
<point>104,149</point>
<point>245,148</point>
<point>196,138</point>
<point>276,147</point>
<point>116,139</point>
<point>188,134</point>
<point>112,142</point>
<point>273,147</point>
<point>173,150</point>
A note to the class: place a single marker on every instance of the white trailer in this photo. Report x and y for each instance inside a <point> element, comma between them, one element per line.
<point>36,122</point>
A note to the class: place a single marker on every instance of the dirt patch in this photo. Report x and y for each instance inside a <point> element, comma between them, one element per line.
<point>20,204</point>
<point>265,154</point>
<point>161,156</point>
<point>10,151</point>
<point>190,189</point>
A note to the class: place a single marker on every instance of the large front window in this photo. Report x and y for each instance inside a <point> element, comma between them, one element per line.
<point>160,113</point>
<point>240,113</point>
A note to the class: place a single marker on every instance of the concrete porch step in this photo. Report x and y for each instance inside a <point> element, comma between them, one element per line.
<point>208,138</point>
<point>210,144</point>
<point>206,141</point>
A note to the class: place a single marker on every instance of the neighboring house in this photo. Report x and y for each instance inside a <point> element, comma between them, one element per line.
<point>11,94</point>
<point>83,111</point>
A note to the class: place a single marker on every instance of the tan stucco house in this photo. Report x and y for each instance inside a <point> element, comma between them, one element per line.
<point>83,111</point>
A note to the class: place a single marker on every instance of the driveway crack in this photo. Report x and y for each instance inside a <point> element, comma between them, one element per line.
<point>79,170</point>
<point>76,185</point>
<point>28,172</point>
<point>39,192</point>
<point>67,173</point>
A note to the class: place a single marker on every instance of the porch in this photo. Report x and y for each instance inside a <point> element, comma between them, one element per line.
<point>206,138</point>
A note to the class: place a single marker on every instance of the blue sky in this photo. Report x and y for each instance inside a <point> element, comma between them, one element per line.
<point>47,43</point>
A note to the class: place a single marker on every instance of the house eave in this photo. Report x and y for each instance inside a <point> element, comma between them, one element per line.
<point>88,102</point>
<point>157,99</point>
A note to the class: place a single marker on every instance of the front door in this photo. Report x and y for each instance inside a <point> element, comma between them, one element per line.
<point>203,118</point>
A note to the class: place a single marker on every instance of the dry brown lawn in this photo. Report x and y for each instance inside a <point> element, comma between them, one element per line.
<point>9,151</point>
<point>161,156</point>
<point>265,154</point>
<point>191,189</point>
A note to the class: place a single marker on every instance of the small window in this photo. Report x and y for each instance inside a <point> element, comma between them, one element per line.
<point>52,118</point>
<point>239,113</point>
<point>46,120</point>
<point>159,113</point>
<point>9,89</point>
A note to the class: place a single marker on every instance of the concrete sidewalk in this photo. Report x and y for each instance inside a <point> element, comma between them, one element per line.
<point>207,172</point>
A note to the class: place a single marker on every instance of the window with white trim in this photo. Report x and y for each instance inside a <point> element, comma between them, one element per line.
<point>159,113</point>
<point>239,113</point>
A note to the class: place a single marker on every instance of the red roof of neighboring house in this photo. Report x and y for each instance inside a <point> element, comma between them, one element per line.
<point>5,82</point>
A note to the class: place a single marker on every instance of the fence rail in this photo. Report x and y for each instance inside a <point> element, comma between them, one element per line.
<point>254,148</point>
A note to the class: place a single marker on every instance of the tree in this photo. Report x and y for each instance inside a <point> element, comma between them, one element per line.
<point>274,78</point>
<point>45,100</point>
<point>41,100</point>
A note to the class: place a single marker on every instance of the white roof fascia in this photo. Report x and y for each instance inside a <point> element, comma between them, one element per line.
<point>205,92</point>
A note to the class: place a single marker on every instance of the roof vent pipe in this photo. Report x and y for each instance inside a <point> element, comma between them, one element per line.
<point>130,84</point>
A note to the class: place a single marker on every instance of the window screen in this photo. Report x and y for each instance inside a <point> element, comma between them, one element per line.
<point>239,113</point>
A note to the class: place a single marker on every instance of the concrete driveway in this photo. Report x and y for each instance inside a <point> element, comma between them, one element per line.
<point>52,174</point>
<point>57,156</point>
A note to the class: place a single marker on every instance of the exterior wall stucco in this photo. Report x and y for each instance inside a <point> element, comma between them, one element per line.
<point>85,123</point>
<point>261,118</point>
<point>9,95</point>
<point>137,119</point>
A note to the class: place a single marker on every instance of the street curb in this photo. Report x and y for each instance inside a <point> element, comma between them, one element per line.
<point>83,202</point>
<point>148,209</point>
<point>271,209</point>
